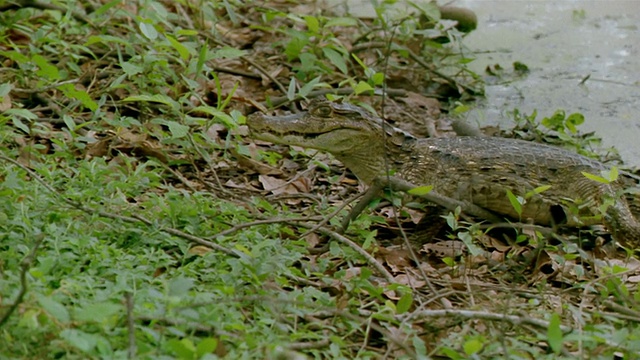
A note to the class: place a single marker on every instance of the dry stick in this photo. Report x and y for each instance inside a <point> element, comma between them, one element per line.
<point>402,344</point>
<point>333,214</point>
<point>259,222</point>
<point>417,59</point>
<point>387,169</point>
<point>545,231</point>
<point>207,159</point>
<point>25,265</point>
<point>344,240</point>
<point>131,351</point>
<point>485,315</point>
<point>281,100</point>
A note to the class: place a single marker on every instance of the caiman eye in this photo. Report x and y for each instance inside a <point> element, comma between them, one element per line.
<point>324,111</point>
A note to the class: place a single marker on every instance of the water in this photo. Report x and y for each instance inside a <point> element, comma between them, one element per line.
<point>561,42</point>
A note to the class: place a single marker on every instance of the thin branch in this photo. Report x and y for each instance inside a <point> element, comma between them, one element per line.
<point>281,100</point>
<point>131,351</point>
<point>25,265</point>
<point>345,241</point>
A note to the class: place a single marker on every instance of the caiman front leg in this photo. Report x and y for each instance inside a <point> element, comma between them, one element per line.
<point>395,183</point>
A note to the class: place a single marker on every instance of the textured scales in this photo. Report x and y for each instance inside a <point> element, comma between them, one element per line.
<point>479,170</point>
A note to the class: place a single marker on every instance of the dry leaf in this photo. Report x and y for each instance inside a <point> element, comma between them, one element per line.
<point>277,186</point>
<point>6,103</point>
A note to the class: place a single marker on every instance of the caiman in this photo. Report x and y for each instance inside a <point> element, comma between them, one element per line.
<point>478,170</point>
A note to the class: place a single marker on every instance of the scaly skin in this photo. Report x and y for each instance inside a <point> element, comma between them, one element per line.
<point>475,169</point>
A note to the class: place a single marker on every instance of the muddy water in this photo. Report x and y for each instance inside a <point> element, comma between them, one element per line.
<point>561,42</point>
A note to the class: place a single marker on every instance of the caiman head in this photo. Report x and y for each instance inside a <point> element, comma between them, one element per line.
<point>354,136</point>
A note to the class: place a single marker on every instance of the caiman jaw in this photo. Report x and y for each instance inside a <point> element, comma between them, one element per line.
<point>358,139</point>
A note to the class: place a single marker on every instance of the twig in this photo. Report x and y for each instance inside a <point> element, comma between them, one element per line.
<point>25,265</point>
<point>45,88</point>
<point>131,351</point>
<point>281,100</point>
<point>345,241</point>
<point>419,60</point>
<point>485,315</point>
<point>258,222</point>
<point>332,215</point>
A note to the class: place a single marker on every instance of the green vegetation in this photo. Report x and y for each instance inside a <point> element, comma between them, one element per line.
<point>137,220</point>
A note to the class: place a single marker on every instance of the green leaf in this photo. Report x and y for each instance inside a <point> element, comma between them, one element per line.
<point>54,308</point>
<point>182,50</point>
<point>312,24</point>
<point>5,89</point>
<point>336,59</point>
<point>291,91</point>
<point>79,339</point>
<point>45,68</point>
<point>593,177</point>
<point>106,39</point>
<point>541,189</point>
<point>202,59</point>
<point>420,190</point>
<point>104,8</point>
<point>206,346</point>
<point>16,114</point>
<point>308,62</point>
<point>70,91</point>
<point>98,312</point>
<point>243,249</point>
<point>515,202</point>
<point>186,32</point>
<point>611,174</point>
<point>148,30</point>
<point>467,239</point>
<point>294,47</point>
<point>554,334</point>
<point>420,347</point>
<point>177,130</point>
<point>404,304</point>
<point>360,62</point>
<point>342,21</point>
<point>555,122</point>
<point>538,190</point>
<point>131,69</point>
<point>472,346</point>
<point>180,286</point>
<point>15,56</point>
<point>362,87</point>
<point>308,87</point>
<point>183,348</point>
<point>225,118</point>
<point>574,120</point>
<point>377,78</point>
<point>157,98</point>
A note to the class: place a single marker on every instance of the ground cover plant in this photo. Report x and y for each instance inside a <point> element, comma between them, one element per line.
<point>138,220</point>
